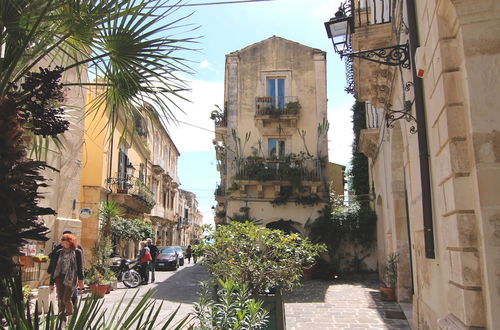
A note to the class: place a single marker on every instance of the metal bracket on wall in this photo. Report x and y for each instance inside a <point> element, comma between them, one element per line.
<point>392,115</point>
<point>393,55</point>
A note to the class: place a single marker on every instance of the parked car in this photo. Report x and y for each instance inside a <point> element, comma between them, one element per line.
<point>181,255</point>
<point>167,259</point>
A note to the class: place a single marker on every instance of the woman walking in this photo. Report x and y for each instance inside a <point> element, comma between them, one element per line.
<point>66,269</point>
<point>144,259</point>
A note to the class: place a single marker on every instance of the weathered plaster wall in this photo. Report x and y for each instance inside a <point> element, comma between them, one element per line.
<point>246,71</point>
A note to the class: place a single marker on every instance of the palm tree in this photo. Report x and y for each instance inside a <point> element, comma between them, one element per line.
<point>131,46</point>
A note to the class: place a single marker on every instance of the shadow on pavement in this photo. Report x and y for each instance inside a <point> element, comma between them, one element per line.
<point>183,286</point>
<point>309,292</point>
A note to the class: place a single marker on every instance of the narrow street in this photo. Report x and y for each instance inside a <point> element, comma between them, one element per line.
<point>317,305</point>
<point>174,289</point>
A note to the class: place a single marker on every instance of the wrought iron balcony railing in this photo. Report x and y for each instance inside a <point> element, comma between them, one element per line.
<point>277,106</point>
<point>220,191</point>
<point>278,169</point>
<point>373,119</point>
<point>132,186</point>
<point>364,13</point>
<point>221,122</point>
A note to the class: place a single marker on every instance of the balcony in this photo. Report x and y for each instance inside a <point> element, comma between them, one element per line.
<point>289,168</point>
<point>277,107</point>
<point>220,193</point>
<point>131,193</point>
<point>368,140</point>
<point>219,116</point>
<point>373,28</point>
<point>186,222</point>
<point>158,166</point>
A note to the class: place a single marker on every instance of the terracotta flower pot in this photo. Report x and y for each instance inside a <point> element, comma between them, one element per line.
<point>307,274</point>
<point>99,289</point>
<point>388,294</point>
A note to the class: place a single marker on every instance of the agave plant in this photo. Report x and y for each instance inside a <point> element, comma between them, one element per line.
<point>129,47</point>
<point>15,313</point>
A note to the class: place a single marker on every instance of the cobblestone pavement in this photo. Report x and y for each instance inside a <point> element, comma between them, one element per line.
<point>317,305</point>
<point>323,305</point>
<point>173,289</point>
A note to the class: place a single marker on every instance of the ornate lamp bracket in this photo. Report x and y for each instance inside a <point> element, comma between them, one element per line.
<point>398,55</point>
<point>392,115</point>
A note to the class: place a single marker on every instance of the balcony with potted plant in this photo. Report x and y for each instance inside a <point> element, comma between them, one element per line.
<point>131,193</point>
<point>270,109</point>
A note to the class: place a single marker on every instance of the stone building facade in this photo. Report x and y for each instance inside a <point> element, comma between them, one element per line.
<point>267,142</point>
<point>436,189</point>
<point>190,220</point>
<point>135,164</point>
<point>164,181</point>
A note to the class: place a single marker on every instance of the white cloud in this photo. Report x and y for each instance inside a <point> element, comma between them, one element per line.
<point>340,135</point>
<point>205,64</point>
<point>195,130</point>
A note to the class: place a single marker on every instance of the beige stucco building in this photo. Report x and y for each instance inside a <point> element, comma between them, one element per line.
<point>135,164</point>
<point>436,190</point>
<point>191,219</point>
<point>271,158</point>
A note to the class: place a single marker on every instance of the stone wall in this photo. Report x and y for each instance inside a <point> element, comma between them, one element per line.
<point>459,288</point>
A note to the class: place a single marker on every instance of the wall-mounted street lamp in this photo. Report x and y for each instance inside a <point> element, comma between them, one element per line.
<point>340,29</point>
<point>130,169</point>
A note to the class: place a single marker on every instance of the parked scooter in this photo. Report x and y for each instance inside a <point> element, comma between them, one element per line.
<point>127,271</point>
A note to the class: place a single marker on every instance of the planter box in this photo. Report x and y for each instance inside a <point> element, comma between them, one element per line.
<point>273,303</point>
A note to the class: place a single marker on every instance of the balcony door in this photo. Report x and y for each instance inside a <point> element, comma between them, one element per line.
<point>276,148</point>
<point>276,89</point>
<point>122,167</point>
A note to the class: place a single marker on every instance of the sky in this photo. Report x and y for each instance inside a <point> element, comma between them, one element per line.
<point>230,27</point>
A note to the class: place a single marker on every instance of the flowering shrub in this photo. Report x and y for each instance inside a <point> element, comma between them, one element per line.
<point>261,257</point>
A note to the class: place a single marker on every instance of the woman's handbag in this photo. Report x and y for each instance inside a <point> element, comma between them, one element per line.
<point>147,257</point>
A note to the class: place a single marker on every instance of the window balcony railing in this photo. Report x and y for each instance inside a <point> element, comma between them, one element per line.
<point>277,106</point>
<point>131,186</point>
<point>287,169</point>
<point>221,122</point>
<point>373,119</point>
<point>364,13</point>
<point>220,191</point>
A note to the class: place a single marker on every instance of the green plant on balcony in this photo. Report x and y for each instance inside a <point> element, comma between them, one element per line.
<point>143,192</point>
<point>219,116</point>
<point>293,108</point>
<point>220,214</point>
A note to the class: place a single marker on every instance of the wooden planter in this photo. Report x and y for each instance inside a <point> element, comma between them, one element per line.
<point>387,294</point>
<point>273,303</point>
<point>99,289</point>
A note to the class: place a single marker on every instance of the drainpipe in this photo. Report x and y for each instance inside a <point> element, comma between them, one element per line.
<point>110,171</point>
<point>422,136</point>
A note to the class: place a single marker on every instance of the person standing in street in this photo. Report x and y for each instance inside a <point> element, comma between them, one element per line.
<point>144,259</point>
<point>189,253</point>
<point>66,269</point>
<point>154,253</point>
<point>56,248</point>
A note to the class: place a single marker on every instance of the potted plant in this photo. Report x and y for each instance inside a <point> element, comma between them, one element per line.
<point>390,277</point>
<point>95,280</point>
<point>266,260</point>
<point>41,258</point>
